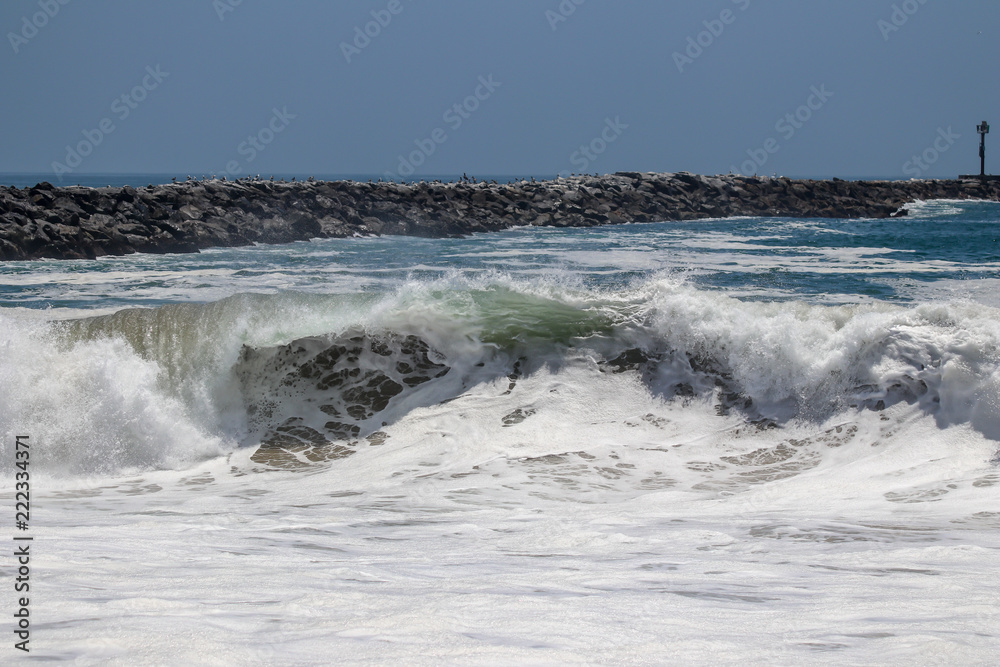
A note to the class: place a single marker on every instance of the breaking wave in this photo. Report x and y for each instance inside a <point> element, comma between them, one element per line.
<point>300,378</point>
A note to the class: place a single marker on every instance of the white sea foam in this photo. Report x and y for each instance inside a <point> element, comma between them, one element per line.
<point>607,526</point>
<point>937,208</point>
<point>636,469</point>
<point>175,366</point>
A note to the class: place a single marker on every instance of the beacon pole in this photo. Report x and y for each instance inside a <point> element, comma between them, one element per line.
<point>983,130</point>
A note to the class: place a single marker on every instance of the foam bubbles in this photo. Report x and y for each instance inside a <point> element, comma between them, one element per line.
<point>93,407</point>
<point>150,388</point>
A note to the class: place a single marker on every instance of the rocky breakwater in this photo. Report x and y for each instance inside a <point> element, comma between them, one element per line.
<point>79,223</point>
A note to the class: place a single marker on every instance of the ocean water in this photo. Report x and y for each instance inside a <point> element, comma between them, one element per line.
<point>138,180</point>
<point>719,442</point>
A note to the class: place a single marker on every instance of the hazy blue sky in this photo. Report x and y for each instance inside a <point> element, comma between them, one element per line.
<point>626,79</point>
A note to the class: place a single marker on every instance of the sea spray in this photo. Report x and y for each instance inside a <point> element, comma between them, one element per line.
<point>168,386</point>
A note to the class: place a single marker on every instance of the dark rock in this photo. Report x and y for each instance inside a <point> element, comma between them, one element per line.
<point>73,222</point>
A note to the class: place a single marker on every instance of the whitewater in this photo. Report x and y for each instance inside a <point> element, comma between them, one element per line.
<point>717,442</point>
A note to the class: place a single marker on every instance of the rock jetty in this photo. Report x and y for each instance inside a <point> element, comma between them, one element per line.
<point>45,221</point>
